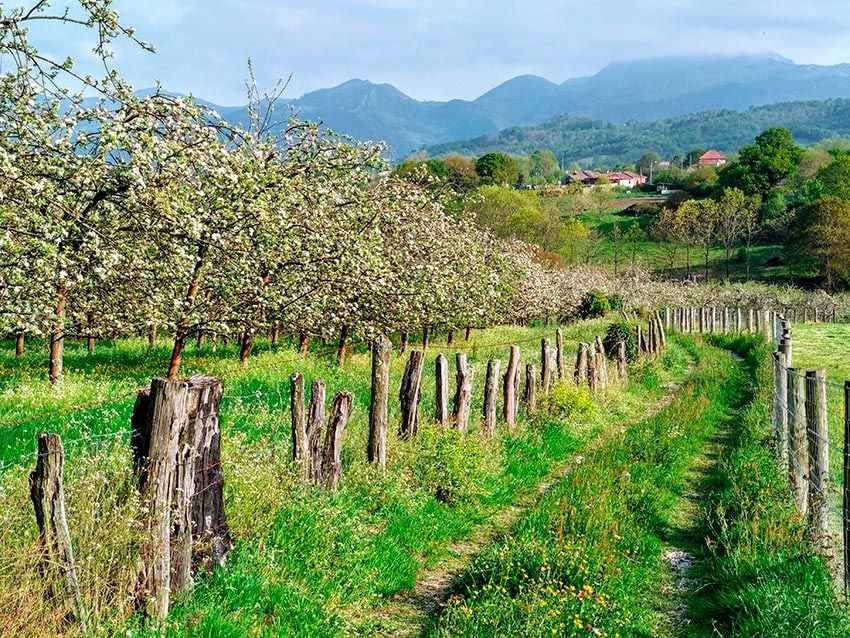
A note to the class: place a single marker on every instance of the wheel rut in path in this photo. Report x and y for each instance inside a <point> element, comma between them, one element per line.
<point>408,614</point>
<point>684,546</point>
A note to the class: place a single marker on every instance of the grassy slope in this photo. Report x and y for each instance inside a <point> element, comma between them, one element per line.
<point>653,255</point>
<point>305,563</point>
<point>760,577</point>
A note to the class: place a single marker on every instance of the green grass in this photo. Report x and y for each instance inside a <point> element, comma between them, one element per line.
<point>761,575</point>
<point>654,256</point>
<point>586,559</point>
<point>305,562</point>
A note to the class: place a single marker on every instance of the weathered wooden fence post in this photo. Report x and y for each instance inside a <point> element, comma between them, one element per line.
<point>332,450</point>
<point>441,400</point>
<point>463,392</point>
<point>48,498</point>
<point>510,389</point>
<point>750,323</point>
<point>592,370</point>
<point>622,367</point>
<point>545,366</point>
<point>300,448</point>
<point>163,413</point>
<point>798,456</point>
<point>315,426</point>
<point>780,402</point>
<point>581,364</point>
<point>376,446</point>
<point>411,394</point>
<point>846,486</point>
<point>601,362</point>
<point>661,332</point>
<point>529,395</point>
<point>491,391</point>
<point>816,422</point>
<point>559,352</point>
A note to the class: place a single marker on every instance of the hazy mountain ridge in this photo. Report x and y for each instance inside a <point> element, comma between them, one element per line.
<point>620,92</point>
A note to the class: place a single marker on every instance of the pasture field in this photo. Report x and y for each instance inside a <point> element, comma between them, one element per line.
<point>305,562</point>
<point>562,525</point>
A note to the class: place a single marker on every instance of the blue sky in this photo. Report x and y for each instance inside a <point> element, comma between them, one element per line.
<point>441,49</point>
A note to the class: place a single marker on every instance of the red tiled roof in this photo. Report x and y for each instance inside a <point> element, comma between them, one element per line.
<point>712,155</point>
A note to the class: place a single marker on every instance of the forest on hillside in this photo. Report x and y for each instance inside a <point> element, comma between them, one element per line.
<point>597,143</point>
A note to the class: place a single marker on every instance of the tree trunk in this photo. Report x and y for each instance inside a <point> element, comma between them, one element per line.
<point>342,349</point>
<point>199,340</point>
<point>57,335</point>
<point>152,337</point>
<point>425,336</point>
<point>468,333</point>
<point>176,355</point>
<point>303,342</point>
<point>405,338</point>
<point>275,333</point>
<point>450,337</point>
<point>247,345</point>
<point>19,345</point>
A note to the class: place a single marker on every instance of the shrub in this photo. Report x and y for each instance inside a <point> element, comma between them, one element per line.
<point>617,332</point>
<point>568,400</point>
<point>616,301</point>
<point>452,466</point>
<point>594,304</point>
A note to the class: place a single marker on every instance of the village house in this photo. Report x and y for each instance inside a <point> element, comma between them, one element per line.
<point>625,178</point>
<point>586,178</point>
<point>712,158</point>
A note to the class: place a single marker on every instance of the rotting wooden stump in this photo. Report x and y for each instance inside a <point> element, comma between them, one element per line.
<point>48,498</point>
<point>332,450</point>
<point>463,393</point>
<point>176,440</point>
<point>410,394</point>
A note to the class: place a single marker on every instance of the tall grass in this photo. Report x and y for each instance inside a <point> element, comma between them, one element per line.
<point>305,562</point>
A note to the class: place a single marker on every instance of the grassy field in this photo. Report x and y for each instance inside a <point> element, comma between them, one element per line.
<point>581,557</point>
<point>648,253</point>
<point>305,562</point>
<point>827,346</point>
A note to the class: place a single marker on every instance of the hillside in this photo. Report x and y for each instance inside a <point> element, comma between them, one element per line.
<point>620,92</point>
<point>592,142</point>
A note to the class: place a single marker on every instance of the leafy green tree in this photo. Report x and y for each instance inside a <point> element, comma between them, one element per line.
<point>835,177</point>
<point>497,169</point>
<point>734,214</point>
<point>460,173</point>
<point>819,239</point>
<point>645,163</point>
<point>761,166</point>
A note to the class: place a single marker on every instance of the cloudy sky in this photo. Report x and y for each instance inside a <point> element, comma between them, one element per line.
<point>439,49</point>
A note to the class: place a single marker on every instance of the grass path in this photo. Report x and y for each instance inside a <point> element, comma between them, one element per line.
<point>409,614</point>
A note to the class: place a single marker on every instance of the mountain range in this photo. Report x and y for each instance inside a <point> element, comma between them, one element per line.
<point>620,92</point>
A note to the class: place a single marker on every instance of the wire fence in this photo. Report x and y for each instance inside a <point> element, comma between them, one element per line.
<point>810,423</point>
